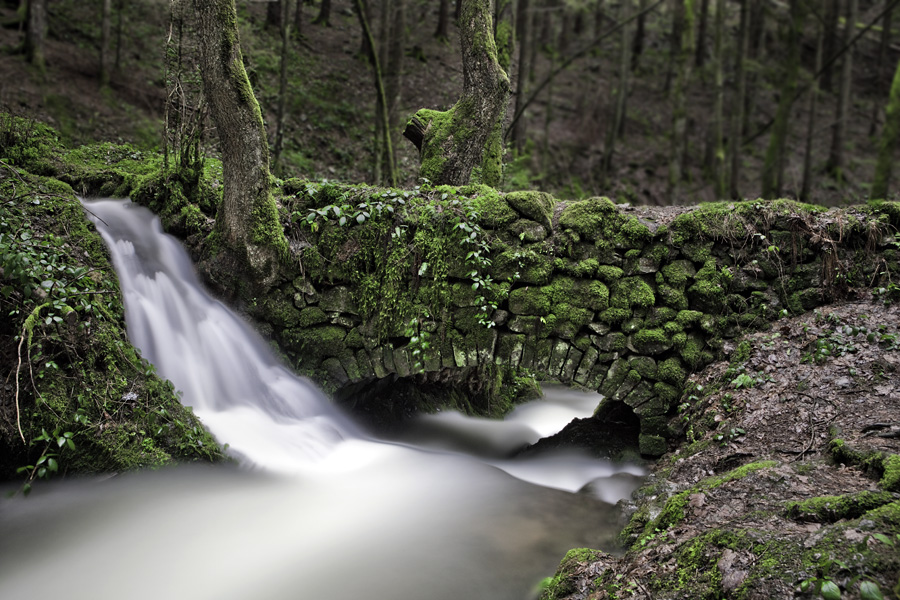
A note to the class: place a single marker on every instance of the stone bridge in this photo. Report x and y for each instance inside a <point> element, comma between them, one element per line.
<point>444,284</point>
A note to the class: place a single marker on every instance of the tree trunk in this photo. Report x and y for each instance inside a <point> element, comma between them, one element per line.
<point>811,122</point>
<point>679,93</point>
<point>382,129</point>
<point>701,34</point>
<point>454,141</point>
<point>773,166</point>
<point>105,27</point>
<point>120,8</point>
<point>740,100</point>
<point>888,142</point>
<point>35,33</point>
<point>443,27</point>
<point>247,217</point>
<point>324,17</point>
<point>756,53</point>
<point>718,139</point>
<point>637,48</point>
<point>298,19</point>
<point>836,156</point>
<point>273,14</point>
<point>832,12</point>
<point>618,112</point>
<point>285,24</point>
<point>523,33</point>
<point>676,41</point>
<point>879,69</point>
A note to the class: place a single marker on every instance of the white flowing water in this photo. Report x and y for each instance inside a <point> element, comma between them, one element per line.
<point>323,512</point>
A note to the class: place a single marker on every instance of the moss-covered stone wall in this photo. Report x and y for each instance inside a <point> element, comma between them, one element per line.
<point>626,301</point>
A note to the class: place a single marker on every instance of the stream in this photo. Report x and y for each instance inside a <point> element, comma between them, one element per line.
<point>315,508</point>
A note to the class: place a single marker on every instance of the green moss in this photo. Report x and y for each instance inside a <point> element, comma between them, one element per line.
<point>632,292</point>
<point>537,206</point>
<point>614,316</point>
<point>529,301</point>
<point>493,210</point>
<point>668,393</point>
<point>673,512</point>
<point>891,478</point>
<point>671,371</point>
<point>589,218</point>
<point>688,318</point>
<point>609,274</point>
<point>672,297</point>
<point>651,341</point>
<point>708,290</point>
<point>829,509</point>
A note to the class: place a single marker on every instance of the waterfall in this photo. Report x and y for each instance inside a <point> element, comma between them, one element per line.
<point>325,512</point>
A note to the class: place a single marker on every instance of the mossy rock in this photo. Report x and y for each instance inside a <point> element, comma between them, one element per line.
<point>537,206</point>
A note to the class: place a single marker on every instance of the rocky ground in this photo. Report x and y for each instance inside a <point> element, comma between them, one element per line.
<point>786,484</point>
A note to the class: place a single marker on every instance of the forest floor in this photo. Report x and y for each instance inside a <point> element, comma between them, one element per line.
<point>743,510</point>
<point>330,108</point>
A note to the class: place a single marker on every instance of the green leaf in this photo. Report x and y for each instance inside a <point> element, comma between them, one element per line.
<point>830,591</point>
<point>883,538</point>
<point>70,444</point>
<point>53,465</point>
<point>869,590</point>
<point>61,441</point>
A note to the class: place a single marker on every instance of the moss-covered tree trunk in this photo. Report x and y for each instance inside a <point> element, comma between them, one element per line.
<point>247,217</point>
<point>35,32</point>
<point>888,141</point>
<point>452,143</point>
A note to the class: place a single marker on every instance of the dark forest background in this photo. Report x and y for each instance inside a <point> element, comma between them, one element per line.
<point>644,101</point>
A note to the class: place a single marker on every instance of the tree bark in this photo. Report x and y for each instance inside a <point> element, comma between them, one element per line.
<point>381,103</point>
<point>324,17</point>
<point>454,140</point>
<point>637,47</point>
<point>285,24</point>
<point>676,41</point>
<point>105,27</point>
<point>701,34</point>
<point>120,8</point>
<point>773,166</point>
<point>836,156</point>
<point>888,142</point>
<point>811,119</point>
<point>879,69</point>
<point>247,217</point>
<point>273,14</point>
<point>523,33</point>
<point>679,93</point>
<point>298,19</point>
<point>618,112</point>
<point>35,33</point>
<point>832,12</point>
<point>443,26</point>
<point>740,100</point>
<point>718,138</point>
